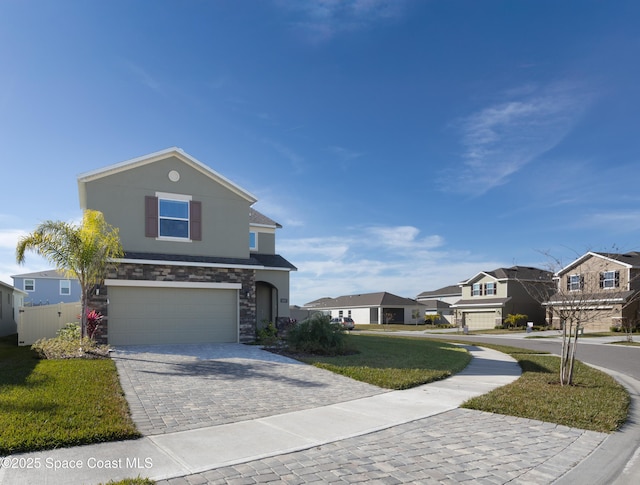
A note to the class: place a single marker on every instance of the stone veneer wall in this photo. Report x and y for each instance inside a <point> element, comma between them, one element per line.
<point>135,271</point>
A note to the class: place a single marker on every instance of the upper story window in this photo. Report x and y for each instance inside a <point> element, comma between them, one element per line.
<point>490,289</point>
<point>610,279</point>
<point>65,287</point>
<point>29,285</point>
<point>253,240</point>
<point>476,289</point>
<point>173,216</point>
<point>575,282</point>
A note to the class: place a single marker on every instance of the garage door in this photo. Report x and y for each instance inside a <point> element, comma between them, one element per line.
<point>480,320</point>
<point>147,315</point>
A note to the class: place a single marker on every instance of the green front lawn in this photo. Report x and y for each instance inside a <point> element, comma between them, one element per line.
<point>595,401</point>
<point>394,362</point>
<point>48,404</point>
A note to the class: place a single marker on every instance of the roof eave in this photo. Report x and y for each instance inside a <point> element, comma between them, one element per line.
<point>85,177</point>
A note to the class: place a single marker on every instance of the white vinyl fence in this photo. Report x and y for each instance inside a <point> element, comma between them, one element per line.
<point>44,321</point>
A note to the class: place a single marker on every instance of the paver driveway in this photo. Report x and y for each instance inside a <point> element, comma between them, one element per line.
<point>180,387</point>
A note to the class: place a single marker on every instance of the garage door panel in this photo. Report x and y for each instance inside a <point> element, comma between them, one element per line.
<point>480,320</point>
<point>140,315</point>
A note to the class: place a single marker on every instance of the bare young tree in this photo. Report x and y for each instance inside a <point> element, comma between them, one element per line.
<point>592,291</point>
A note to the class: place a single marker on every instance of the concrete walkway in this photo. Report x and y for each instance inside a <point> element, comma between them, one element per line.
<point>416,435</point>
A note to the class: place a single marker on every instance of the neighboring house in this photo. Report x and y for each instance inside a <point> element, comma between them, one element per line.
<point>438,302</point>
<point>200,264</point>
<point>47,288</point>
<point>371,308</point>
<point>11,299</point>
<point>489,296</point>
<point>604,285</point>
<point>449,294</point>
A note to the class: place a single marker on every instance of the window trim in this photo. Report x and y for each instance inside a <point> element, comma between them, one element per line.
<point>67,287</point>
<point>253,247</point>
<point>579,283</point>
<point>33,285</point>
<point>152,217</point>
<point>494,289</point>
<point>162,196</point>
<point>615,280</point>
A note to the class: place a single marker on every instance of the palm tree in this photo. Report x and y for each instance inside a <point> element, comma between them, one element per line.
<point>84,252</point>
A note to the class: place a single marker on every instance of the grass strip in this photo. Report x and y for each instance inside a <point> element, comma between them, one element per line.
<point>394,362</point>
<point>48,404</point>
<point>595,402</point>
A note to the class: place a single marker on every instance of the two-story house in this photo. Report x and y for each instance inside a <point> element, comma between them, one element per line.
<point>47,287</point>
<point>200,263</point>
<point>489,296</point>
<point>603,288</point>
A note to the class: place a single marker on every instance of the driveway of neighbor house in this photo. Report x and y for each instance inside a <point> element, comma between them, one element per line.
<point>181,387</point>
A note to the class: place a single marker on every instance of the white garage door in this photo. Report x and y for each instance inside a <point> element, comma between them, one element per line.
<point>480,320</point>
<point>147,315</point>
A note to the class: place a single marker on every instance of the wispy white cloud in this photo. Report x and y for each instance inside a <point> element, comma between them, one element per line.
<point>501,139</point>
<point>145,78</point>
<point>615,221</point>
<point>296,160</point>
<point>344,155</point>
<point>321,20</point>
<point>368,259</point>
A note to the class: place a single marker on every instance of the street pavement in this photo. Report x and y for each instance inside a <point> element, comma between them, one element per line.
<point>280,421</point>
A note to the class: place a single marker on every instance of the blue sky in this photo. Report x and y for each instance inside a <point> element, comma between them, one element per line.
<point>403,145</point>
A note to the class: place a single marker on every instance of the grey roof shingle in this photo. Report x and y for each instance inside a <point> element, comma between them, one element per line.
<point>452,290</point>
<point>364,300</point>
<point>267,260</point>
<point>632,258</point>
<point>256,217</point>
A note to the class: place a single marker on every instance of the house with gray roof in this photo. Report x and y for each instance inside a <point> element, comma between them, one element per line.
<point>372,308</point>
<point>438,302</point>
<point>606,286</point>
<point>47,287</point>
<point>489,296</point>
<point>200,263</point>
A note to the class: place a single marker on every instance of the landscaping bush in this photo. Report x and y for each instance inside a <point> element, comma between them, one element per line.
<point>317,335</point>
<point>268,335</point>
<point>68,345</point>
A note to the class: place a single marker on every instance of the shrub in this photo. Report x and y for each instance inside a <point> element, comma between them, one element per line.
<point>317,335</point>
<point>94,319</point>
<point>68,345</point>
<point>514,321</point>
<point>268,335</point>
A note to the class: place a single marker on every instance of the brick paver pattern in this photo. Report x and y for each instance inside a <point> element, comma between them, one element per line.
<point>459,446</point>
<point>182,388</point>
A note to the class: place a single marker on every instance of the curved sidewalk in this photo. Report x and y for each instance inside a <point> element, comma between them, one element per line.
<point>389,421</point>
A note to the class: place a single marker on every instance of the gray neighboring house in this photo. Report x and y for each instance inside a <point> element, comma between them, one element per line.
<point>11,299</point>
<point>439,302</point>
<point>47,288</point>
<point>371,308</point>
<point>200,263</point>
<point>489,296</point>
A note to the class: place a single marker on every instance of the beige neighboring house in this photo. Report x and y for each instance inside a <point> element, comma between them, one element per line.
<point>200,263</point>
<point>605,286</point>
<point>371,308</point>
<point>489,296</point>
<point>11,299</point>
